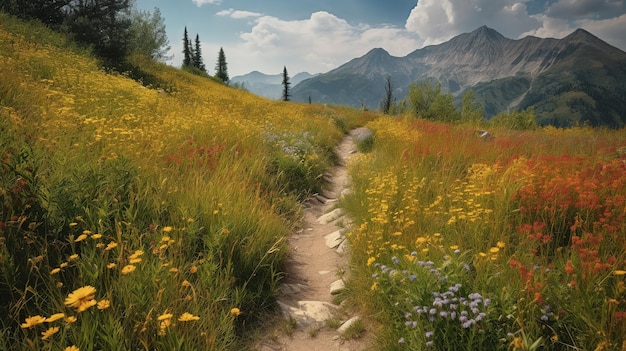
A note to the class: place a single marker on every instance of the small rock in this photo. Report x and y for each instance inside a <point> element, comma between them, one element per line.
<point>343,247</point>
<point>344,327</point>
<point>330,216</point>
<point>323,272</point>
<point>337,286</point>
<point>309,313</point>
<point>334,239</point>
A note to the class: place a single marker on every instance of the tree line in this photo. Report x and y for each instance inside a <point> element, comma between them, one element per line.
<point>426,100</point>
<point>114,29</point>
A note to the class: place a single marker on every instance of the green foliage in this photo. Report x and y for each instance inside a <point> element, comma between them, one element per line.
<point>187,50</point>
<point>50,12</point>
<point>103,25</point>
<point>286,83</point>
<point>221,67</point>
<point>516,120</point>
<point>149,37</point>
<point>427,101</point>
<point>471,111</point>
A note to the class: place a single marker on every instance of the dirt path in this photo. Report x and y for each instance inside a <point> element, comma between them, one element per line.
<point>317,261</point>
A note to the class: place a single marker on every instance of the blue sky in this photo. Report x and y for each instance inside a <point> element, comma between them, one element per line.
<point>318,35</point>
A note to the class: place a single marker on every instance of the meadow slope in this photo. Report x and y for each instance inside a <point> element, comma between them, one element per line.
<point>143,217</point>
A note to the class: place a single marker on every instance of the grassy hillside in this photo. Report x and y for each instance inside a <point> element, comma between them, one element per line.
<point>139,218</point>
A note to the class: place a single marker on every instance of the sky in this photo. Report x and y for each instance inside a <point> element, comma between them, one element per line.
<point>317,36</point>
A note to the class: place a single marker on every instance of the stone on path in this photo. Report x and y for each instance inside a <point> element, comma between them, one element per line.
<point>334,239</point>
<point>337,286</point>
<point>343,247</point>
<point>330,216</point>
<point>344,327</point>
<point>310,313</point>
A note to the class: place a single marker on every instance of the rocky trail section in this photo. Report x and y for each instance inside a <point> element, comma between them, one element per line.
<point>317,266</point>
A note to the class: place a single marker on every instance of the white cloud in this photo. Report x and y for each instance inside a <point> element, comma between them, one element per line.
<point>610,30</point>
<point>436,21</point>
<point>317,44</point>
<point>237,14</point>
<point>204,2</point>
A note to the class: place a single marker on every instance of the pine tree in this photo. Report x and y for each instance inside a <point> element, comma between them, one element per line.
<point>286,84</point>
<point>221,69</point>
<point>197,55</point>
<point>186,50</point>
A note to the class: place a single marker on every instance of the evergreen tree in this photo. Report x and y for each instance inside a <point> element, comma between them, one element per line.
<point>286,84</point>
<point>388,98</point>
<point>186,50</point>
<point>50,12</point>
<point>103,24</point>
<point>197,56</point>
<point>221,69</point>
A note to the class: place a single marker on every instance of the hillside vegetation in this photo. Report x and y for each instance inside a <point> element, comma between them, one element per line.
<point>137,218</point>
<point>516,242</point>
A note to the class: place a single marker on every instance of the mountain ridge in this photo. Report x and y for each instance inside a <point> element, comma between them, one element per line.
<point>268,85</point>
<point>486,61</point>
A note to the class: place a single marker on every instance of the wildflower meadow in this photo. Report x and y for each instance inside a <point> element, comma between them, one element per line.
<point>142,217</point>
<point>510,243</point>
<point>153,215</point>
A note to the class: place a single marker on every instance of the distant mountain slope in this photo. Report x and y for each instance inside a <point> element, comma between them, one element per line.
<point>577,79</point>
<point>268,85</point>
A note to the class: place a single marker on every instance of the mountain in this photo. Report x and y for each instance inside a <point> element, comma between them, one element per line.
<point>270,86</point>
<point>577,79</point>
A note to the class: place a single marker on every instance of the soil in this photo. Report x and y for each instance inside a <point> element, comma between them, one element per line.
<point>313,266</point>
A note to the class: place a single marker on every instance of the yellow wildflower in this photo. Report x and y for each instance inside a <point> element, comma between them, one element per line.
<point>128,269</point>
<point>81,238</point>
<point>80,296</point>
<point>55,271</point>
<point>173,270</point>
<point>86,305</point>
<point>136,254</point>
<point>70,319</point>
<point>135,260</point>
<point>63,265</point>
<point>87,231</point>
<point>235,311</point>
<point>99,245</point>
<point>55,317</point>
<point>619,272</point>
<point>193,269</point>
<point>371,260</point>
<point>111,265</point>
<point>49,332</point>
<point>500,244</point>
<point>165,316</point>
<point>96,236</point>
<point>111,246</point>
<point>73,257</point>
<point>104,304</point>
<point>185,283</point>
<point>72,348</point>
<point>187,317</point>
<point>30,322</point>
<point>494,250</point>
<point>454,247</point>
<point>73,224</point>
<point>167,229</point>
